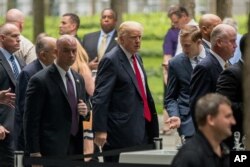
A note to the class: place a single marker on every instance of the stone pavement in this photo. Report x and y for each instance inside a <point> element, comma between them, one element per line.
<point>171,140</point>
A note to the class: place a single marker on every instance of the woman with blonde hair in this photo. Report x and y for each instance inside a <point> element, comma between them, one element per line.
<point>81,66</point>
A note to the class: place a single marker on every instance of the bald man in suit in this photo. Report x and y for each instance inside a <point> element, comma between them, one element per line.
<point>55,106</point>
<point>206,73</point>
<point>9,43</point>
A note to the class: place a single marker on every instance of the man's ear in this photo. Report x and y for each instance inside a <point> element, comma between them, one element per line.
<point>199,41</point>
<point>210,120</point>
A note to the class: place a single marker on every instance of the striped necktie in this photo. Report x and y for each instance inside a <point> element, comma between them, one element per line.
<point>14,66</point>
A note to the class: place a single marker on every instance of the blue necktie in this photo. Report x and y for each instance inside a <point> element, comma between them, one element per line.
<point>73,105</point>
<point>14,66</point>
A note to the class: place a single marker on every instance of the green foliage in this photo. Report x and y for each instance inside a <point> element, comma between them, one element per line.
<point>155,28</point>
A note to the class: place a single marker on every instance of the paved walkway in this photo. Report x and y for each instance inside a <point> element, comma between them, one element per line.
<point>169,141</point>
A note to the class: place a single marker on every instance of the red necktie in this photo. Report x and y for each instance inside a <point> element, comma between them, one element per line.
<point>147,113</point>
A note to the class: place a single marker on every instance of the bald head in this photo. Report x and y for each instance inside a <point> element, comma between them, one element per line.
<point>16,17</point>
<point>9,37</point>
<point>207,23</point>
<point>66,51</point>
<point>66,39</point>
<point>45,49</point>
<point>223,41</point>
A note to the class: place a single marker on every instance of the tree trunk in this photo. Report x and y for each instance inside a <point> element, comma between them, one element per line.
<point>190,6</point>
<point>224,8</point>
<point>246,91</point>
<point>11,4</point>
<point>48,6</point>
<point>38,18</point>
<point>119,7</point>
<point>93,11</point>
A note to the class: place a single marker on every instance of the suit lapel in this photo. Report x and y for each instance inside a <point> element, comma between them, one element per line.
<point>112,42</point>
<point>216,63</point>
<point>7,67</point>
<point>77,83</point>
<point>21,62</point>
<point>55,76</point>
<point>127,67</point>
<point>187,64</point>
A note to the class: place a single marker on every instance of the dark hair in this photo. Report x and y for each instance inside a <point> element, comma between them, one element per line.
<point>209,105</point>
<point>243,44</point>
<point>183,10</point>
<point>114,13</point>
<point>75,19</point>
<point>179,11</point>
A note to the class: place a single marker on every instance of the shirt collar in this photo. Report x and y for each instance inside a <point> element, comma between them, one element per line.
<point>43,65</point>
<point>221,61</point>
<point>207,42</point>
<point>110,34</point>
<point>62,71</point>
<point>129,55</point>
<point>6,54</point>
<point>202,54</point>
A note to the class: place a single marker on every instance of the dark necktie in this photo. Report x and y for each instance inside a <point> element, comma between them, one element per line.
<point>147,113</point>
<point>14,66</point>
<point>73,105</point>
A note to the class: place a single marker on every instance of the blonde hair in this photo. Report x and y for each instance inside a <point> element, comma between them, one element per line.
<point>190,30</point>
<point>127,26</point>
<point>81,66</point>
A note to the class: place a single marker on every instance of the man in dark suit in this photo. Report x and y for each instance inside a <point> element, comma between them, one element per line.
<point>179,76</point>
<point>54,106</point>
<point>124,114</point>
<point>230,84</point>
<point>92,42</point>
<point>206,73</point>
<point>45,50</point>
<point>10,66</point>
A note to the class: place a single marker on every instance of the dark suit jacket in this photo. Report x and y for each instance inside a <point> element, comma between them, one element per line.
<point>7,80</point>
<point>118,105</point>
<point>177,99</point>
<point>200,148</point>
<point>21,86</point>
<point>47,113</point>
<point>203,80</point>
<point>90,43</point>
<point>230,85</point>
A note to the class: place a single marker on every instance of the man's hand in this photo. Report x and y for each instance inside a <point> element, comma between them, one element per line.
<point>3,132</point>
<point>93,64</point>
<point>173,122</point>
<point>100,138</point>
<point>7,98</point>
<point>82,108</point>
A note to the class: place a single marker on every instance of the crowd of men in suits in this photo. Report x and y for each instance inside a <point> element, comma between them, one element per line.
<point>43,104</point>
